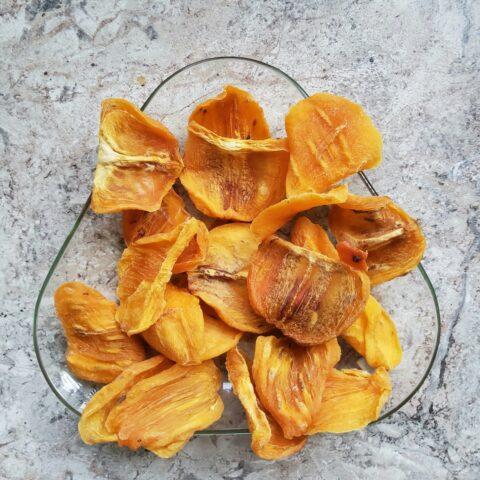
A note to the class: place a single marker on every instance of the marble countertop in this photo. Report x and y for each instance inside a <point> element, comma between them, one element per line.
<point>413,65</point>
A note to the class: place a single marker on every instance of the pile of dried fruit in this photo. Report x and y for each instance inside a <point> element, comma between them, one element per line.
<point>190,288</point>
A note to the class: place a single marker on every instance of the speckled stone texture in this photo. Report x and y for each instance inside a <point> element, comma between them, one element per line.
<point>413,65</point>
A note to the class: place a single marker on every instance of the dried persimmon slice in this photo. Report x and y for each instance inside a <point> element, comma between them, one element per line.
<point>144,271</point>
<point>268,440</point>
<point>138,224</point>
<point>230,178</point>
<point>232,114</point>
<point>138,160</point>
<point>374,336</point>
<point>393,240</point>
<point>274,217</point>
<point>98,351</point>
<point>289,380</point>
<point>154,405</point>
<point>308,296</point>
<point>313,237</point>
<point>351,400</point>
<point>330,138</point>
<point>221,280</point>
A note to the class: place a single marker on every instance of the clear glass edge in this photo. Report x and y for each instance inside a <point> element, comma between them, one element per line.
<point>58,257</point>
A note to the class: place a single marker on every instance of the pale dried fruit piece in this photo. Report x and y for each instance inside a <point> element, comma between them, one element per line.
<point>289,380</point>
<point>168,407</point>
<point>275,216</point>
<point>351,400</point>
<point>144,271</point>
<point>308,296</point>
<point>138,160</point>
<point>374,336</point>
<point>221,280</point>
<point>393,240</point>
<point>138,224</point>
<point>179,331</point>
<point>268,441</point>
<point>233,179</point>
<point>311,236</point>
<point>98,351</point>
<point>232,114</point>
<point>143,407</point>
<point>329,138</point>
<point>91,426</point>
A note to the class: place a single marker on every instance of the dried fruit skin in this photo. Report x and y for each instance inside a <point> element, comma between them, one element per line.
<point>351,400</point>
<point>290,379</point>
<point>330,138</point>
<point>311,236</point>
<point>268,441</point>
<point>275,216</point>
<point>232,114</point>
<point>221,280</point>
<point>308,296</point>
<point>374,336</point>
<point>138,224</point>
<point>142,407</point>
<point>233,179</point>
<point>393,240</point>
<point>98,351</point>
<point>138,160</point>
<point>143,275</point>
<point>168,407</point>
<point>353,257</point>
<point>179,331</point>
<point>91,426</point>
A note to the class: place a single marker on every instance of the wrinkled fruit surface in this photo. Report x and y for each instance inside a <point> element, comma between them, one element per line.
<point>308,296</point>
<point>268,440</point>
<point>97,349</point>
<point>138,160</point>
<point>289,380</point>
<point>154,405</point>
<point>393,241</point>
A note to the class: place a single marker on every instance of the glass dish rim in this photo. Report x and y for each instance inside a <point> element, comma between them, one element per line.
<point>86,206</point>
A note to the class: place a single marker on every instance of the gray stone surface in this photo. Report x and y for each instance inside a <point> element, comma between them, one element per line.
<point>415,67</point>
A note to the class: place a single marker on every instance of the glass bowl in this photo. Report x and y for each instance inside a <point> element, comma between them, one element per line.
<point>92,248</point>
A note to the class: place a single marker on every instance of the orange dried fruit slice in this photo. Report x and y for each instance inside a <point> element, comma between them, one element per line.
<point>289,380</point>
<point>274,217</point>
<point>184,334</point>
<point>308,296</point>
<point>351,400</point>
<point>138,224</point>
<point>91,426</point>
<point>330,138</point>
<point>268,440</point>
<point>144,271</point>
<point>231,178</point>
<point>374,336</point>
<point>138,160</point>
<point>158,410</point>
<point>179,331</point>
<point>311,236</point>
<point>221,280</point>
<point>98,351</point>
<point>393,240</point>
<point>234,113</point>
